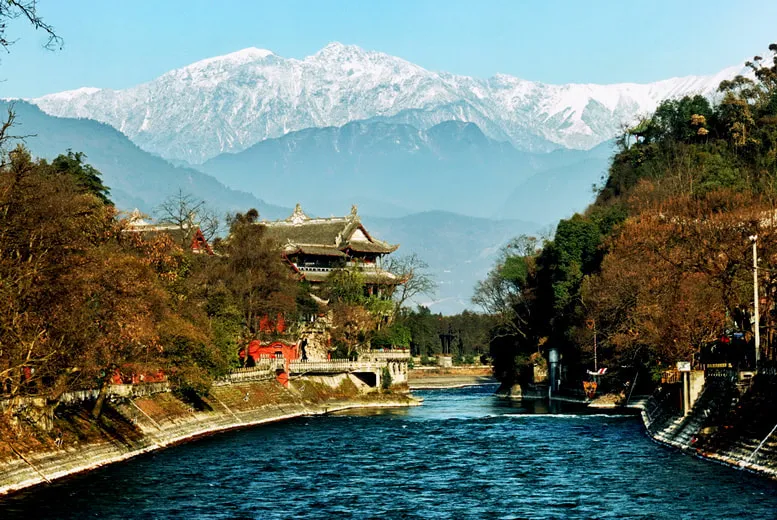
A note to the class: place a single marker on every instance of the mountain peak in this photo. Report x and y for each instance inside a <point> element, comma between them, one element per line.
<point>339,50</point>
<point>247,55</point>
<point>230,102</point>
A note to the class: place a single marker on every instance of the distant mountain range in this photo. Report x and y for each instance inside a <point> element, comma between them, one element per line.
<point>459,249</point>
<point>229,103</point>
<point>136,178</point>
<point>451,167</point>
<point>393,170</point>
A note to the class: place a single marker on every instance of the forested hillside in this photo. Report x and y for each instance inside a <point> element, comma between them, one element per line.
<point>660,265</point>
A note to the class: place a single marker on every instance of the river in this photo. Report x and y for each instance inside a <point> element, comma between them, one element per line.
<point>463,454</point>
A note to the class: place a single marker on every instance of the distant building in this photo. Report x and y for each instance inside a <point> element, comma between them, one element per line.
<point>314,247</point>
<point>190,237</point>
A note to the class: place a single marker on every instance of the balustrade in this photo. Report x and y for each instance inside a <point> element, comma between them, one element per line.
<point>385,355</point>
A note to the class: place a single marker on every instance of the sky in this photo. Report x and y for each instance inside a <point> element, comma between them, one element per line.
<point>118,43</point>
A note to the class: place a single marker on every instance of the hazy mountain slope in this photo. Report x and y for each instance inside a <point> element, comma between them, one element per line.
<point>136,178</point>
<point>555,194</point>
<point>390,169</point>
<point>564,185</point>
<point>459,250</point>
<point>231,102</point>
<point>393,170</point>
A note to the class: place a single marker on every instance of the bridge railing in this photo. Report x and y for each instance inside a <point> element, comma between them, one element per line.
<point>385,355</point>
<point>333,365</point>
<point>726,373</point>
<point>266,369</point>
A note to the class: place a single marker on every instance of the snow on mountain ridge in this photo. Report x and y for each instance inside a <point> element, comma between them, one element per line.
<point>231,102</point>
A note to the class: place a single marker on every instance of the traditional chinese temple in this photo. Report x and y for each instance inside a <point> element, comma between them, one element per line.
<point>314,247</point>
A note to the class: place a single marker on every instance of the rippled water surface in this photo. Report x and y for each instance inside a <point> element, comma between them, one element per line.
<point>463,454</point>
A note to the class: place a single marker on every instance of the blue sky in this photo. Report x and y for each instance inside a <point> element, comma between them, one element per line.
<point>119,43</point>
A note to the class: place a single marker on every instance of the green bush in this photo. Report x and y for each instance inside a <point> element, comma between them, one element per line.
<point>385,379</point>
<point>427,361</point>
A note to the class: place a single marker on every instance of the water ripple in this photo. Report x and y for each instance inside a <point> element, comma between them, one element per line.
<point>464,454</point>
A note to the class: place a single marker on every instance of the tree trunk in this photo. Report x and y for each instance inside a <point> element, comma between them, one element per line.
<point>98,405</point>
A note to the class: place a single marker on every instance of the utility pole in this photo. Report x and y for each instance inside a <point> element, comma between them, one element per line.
<point>756,316</point>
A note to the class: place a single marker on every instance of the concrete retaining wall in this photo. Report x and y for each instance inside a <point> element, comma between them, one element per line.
<point>137,425</point>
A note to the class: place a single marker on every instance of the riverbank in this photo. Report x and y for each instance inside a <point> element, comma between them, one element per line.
<point>728,424</point>
<point>132,427</point>
<point>430,378</point>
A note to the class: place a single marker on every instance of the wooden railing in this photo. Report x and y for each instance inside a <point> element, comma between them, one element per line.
<point>671,376</point>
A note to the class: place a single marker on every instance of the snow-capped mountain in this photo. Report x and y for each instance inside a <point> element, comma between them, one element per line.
<point>228,103</point>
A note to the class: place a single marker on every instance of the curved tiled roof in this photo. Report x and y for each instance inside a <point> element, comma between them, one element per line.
<point>323,236</point>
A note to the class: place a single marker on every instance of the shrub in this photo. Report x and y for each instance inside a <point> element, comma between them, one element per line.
<point>385,379</point>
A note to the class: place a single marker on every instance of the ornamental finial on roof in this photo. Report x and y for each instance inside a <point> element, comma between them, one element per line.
<point>354,209</point>
<point>298,216</point>
<point>136,218</point>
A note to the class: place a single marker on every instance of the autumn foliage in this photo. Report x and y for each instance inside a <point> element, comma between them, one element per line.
<point>660,266</point>
<point>86,303</point>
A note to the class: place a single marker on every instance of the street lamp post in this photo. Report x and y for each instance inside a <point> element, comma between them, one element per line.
<point>756,316</point>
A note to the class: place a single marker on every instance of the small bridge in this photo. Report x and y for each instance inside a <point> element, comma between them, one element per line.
<point>371,372</point>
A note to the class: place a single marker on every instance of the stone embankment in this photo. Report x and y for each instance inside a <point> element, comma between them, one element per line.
<point>131,426</point>
<point>450,377</point>
<point>732,422</point>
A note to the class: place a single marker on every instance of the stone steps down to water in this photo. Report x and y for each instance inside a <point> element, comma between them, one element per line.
<point>132,426</point>
<point>724,425</point>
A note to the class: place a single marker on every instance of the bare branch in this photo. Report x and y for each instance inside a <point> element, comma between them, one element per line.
<point>26,9</point>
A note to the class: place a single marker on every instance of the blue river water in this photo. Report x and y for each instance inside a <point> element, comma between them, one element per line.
<point>463,454</point>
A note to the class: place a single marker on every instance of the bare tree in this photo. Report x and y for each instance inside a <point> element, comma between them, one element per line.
<point>414,278</point>
<point>187,213</point>
<point>507,292</point>
<point>27,10</point>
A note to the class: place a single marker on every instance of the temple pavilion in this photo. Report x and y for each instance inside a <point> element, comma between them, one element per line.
<point>314,247</point>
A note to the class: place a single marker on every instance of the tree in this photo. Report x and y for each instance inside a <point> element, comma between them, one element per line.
<point>423,330</point>
<point>346,286</point>
<point>251,269</point>
<point>187,213</point>
<point>414,279</point>
<point>507,292</point>
<point>48,227</point>
<point>82,300</point>
<point>85,175</point>
<point>351,328</point>
<point>26,10</point>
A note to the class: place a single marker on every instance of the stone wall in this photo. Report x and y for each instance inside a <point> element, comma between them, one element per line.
<point>131,426</point>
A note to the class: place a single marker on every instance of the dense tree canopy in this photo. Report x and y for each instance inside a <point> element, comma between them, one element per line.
<point>660,265</point>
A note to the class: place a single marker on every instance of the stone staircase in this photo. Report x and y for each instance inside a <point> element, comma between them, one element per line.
<point>747,432</point>
<point>715,402</point>
<point>724,424</point>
